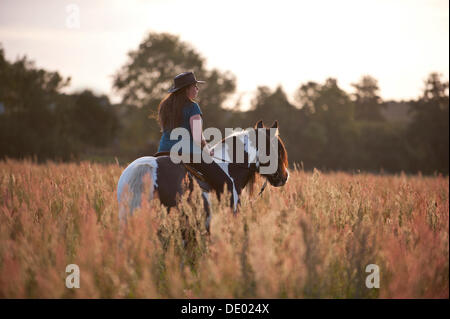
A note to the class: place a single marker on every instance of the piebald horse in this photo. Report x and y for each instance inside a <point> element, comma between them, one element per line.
<point>169,179</point>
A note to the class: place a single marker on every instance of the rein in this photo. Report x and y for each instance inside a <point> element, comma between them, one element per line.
<point>263,188</point>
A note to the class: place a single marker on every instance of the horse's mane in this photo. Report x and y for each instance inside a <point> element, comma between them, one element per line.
<point>283,153</point>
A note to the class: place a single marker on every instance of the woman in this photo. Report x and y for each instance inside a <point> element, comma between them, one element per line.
<point>178,109</point>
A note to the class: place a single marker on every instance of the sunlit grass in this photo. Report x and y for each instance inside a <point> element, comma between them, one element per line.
<point>311,238</point>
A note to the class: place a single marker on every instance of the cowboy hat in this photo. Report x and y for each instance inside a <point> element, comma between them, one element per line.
<point>182,80</point>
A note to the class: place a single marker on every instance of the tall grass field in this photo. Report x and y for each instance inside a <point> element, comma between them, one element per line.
<point>312,238</point>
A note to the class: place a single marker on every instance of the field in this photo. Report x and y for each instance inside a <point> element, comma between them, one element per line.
<point>312,238</point>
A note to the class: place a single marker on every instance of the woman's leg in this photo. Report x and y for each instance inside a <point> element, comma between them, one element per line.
<point>216,177</point>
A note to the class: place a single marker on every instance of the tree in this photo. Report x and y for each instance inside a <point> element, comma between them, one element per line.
<point>144,80</point>
<point>368,106</point>
<point>96,122</point>
<point>429,130</point>
<point>329,130</point>
<point>218,87</point>
<point>37,120</point>
<point>29,124</point>
<point>146,77</point>
<point>306,96</point>
<point>270,105</point>
<point>436,90</point>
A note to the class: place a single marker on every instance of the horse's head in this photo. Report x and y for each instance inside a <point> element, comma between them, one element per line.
<point>273,142</point>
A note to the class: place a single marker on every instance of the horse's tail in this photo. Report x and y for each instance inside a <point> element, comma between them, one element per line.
<point>131,186</point>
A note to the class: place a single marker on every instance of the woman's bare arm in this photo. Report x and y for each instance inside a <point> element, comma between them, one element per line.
<point>196,124</point>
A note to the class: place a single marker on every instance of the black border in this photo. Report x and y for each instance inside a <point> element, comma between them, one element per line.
<point>278,308</point>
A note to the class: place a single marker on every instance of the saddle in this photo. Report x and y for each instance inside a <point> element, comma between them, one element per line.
<point>191,171</point>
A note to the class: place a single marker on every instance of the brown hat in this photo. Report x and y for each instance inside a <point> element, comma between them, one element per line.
<point>182,80</point>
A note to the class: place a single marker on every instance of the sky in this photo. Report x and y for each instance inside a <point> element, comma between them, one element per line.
<point>268,43</point>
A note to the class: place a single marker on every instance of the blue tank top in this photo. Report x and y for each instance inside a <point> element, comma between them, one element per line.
<point>190,109</point>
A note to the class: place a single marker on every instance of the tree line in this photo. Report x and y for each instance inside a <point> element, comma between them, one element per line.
<point>323,126</point>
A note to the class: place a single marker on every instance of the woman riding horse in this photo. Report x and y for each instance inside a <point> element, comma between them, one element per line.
<point>179,109</point>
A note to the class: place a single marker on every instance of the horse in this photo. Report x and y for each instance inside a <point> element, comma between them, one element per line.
<point>169,180</point>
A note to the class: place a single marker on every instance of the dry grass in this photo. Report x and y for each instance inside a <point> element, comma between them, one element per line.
<point>311,238</point>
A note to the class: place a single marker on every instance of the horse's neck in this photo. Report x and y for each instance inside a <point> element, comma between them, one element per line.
<point>239,172</point>
<point>222,151</point>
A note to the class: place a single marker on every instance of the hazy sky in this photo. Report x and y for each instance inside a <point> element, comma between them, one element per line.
<point>261,42</point>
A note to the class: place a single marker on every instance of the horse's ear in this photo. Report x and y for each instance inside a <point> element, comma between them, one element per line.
<point>259,124</point>
<point>275,126</point>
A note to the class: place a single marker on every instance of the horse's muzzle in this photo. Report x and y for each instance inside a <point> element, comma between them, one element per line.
<point>279,180</point>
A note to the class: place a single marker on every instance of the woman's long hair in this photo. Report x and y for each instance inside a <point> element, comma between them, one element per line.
<point>170,113</point>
